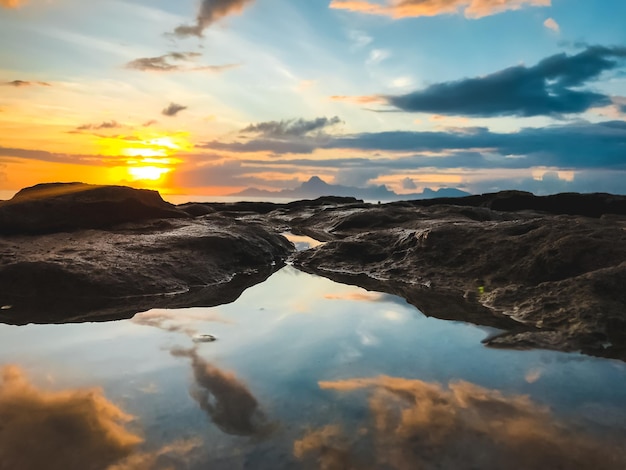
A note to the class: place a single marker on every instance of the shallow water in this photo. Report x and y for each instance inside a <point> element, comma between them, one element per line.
<point>305,373</point>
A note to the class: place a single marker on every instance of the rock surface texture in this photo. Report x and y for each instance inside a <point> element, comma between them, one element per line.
<point>548,271</point>
<point>162,258</point>
<point>54,207</point>
<point>551,281</point>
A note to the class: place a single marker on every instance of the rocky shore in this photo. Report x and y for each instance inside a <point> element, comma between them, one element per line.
<point>58,265</point>
<point>550,281</point>
<point>549,272</point>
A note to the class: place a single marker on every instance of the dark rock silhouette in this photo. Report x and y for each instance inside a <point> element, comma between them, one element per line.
<point>55,207</point>
<point>589,205</point>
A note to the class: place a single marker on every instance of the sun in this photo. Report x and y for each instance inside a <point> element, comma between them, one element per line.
<point>145,159</point>
<point>147,173</point>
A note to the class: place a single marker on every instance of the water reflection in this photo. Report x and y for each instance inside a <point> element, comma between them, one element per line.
<point>225,399</point>
<point>178,321</point>
<point>276,389</point>
<point>415,424</point>
<point>301,242</point>
<point>70,429</point>
<point>364,296</point>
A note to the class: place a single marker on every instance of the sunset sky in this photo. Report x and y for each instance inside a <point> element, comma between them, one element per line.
<point>210,97</point>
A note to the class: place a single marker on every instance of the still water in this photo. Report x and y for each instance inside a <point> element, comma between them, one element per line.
<point>304,373</point>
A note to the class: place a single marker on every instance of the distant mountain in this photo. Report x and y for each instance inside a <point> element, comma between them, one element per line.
<point>441,192</point>
<point>316,187</point>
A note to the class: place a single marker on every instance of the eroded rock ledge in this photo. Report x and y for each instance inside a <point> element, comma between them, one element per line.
<point>550,272</point>
<point>55,207</point>
<point>159,257</point>
<point>552,281</point>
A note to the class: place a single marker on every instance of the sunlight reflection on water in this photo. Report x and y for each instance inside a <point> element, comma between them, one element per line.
<point>302,242</point>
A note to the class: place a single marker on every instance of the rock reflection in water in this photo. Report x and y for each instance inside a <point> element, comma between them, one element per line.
<point>71,429</point>
<point>415,424</point>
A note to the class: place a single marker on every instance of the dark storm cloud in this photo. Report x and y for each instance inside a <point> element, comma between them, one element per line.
<point>210,12</point>
<point>549,88</point>
<point>578,145</point>
<point>173,109</point>
<point>24,83</point>
<point>291,127</point>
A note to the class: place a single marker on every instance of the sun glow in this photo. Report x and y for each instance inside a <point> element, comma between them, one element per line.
<point>145,145</point>
<point>149,173</point>
<point>149,157</point>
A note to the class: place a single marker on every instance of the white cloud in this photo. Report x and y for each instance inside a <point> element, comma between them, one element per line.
<point>376,56</point>
<point>550,23</point>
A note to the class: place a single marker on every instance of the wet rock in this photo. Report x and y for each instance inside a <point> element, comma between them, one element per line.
<point>205,338</point>
<point>552,281</point>
<point>588,205</point>
<point>195,209</point>
<point>91,275</point>
<point>56,207</point>
<point>550,272</point>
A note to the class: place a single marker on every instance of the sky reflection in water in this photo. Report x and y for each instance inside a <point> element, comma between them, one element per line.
<point>307,373</point>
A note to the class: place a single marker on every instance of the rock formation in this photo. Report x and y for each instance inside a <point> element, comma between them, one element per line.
<point>549,272</point>
<point>54,207</point>
<point>160,256</point>
<point>553,281</point>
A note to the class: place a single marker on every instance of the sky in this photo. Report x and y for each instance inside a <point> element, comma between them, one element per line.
<point>208,97</point>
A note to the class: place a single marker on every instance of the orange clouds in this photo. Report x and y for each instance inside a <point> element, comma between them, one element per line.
<point>171,321</point>
<point>550,23</point>
<point>365,99</point>
<point>357,296</point>
<point>59,430</point>
<point>416,424</point>
<point>12,3</point>
<point>326,443</point>
<point>72,429</point>
<point>416,8</point>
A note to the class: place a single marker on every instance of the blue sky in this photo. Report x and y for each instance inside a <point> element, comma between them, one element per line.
<point>209,97</point>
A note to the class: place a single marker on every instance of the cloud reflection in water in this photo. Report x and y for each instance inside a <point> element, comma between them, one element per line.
<point>415,424</point>
<point>177,321</point>
<point>71,429</point>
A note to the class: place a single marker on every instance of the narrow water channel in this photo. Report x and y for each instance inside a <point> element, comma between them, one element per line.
<point>304,373</point>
